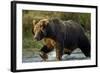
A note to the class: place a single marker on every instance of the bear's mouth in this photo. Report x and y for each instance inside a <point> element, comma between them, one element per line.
<point>39,37</point>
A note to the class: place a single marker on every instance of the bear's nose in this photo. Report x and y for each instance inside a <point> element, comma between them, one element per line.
<point>35,37</point>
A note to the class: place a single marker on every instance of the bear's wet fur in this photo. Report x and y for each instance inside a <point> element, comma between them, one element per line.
<point>66,34</point>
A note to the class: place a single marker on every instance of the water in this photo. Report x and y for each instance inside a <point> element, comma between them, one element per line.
<point>30,56</point>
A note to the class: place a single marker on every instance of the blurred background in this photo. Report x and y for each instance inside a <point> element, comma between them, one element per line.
<point>30,46</point>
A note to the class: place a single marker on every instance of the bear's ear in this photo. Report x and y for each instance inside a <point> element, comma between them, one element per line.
<point>45,22</point>
<point>34,22</point>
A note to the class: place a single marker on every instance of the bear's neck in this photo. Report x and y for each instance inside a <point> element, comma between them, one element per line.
<point>50,32</point>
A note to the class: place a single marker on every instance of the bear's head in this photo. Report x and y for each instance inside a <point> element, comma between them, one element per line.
<point>39,29</point>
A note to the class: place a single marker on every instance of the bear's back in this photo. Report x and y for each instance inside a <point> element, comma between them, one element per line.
<point>72,33</point>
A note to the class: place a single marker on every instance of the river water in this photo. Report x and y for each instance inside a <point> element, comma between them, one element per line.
<point>30,56</point>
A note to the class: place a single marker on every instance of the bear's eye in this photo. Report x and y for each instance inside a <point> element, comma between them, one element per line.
<point>42,26</point>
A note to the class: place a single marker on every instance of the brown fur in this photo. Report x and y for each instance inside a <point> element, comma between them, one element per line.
<point>49,42</point>
<point>61,35</point>
<point>39,26</point>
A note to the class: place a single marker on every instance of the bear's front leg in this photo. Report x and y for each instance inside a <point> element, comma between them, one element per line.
<point>59,51</point>
<point>44,52</point>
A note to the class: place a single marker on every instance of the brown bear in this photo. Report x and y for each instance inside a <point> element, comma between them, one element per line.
<point>65,34</point>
